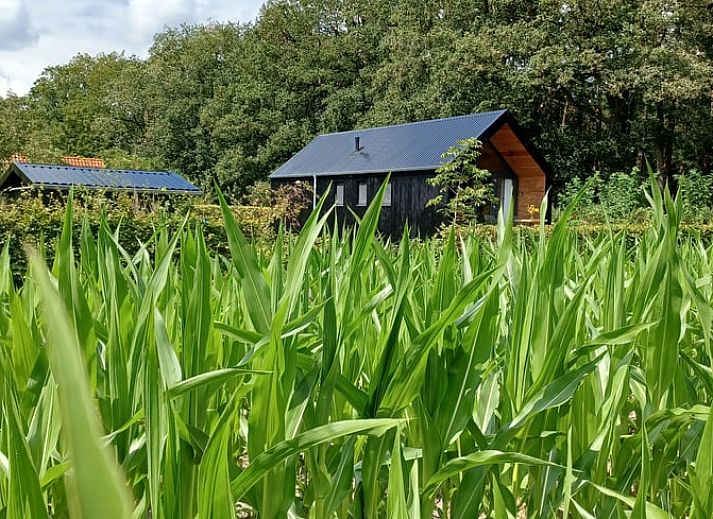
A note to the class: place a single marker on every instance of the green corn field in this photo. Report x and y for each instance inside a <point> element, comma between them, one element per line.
<point>543,375</point>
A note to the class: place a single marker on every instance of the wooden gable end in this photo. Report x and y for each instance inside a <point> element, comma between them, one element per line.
<point>531,178</point>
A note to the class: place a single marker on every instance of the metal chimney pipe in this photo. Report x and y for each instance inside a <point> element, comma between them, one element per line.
<point>356,144</point>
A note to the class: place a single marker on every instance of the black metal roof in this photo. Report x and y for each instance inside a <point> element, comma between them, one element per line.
<point>63,177</point>
<point>404,147</point>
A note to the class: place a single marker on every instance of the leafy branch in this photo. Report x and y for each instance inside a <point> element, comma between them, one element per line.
<point>464,187</point>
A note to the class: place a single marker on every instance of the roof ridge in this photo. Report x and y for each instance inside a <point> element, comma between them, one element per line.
<point>414,123</point>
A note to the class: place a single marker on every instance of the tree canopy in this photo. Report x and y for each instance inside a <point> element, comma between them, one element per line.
<point>600,86</point>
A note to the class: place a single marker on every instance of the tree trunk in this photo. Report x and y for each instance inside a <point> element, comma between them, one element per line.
<point>664,147</point>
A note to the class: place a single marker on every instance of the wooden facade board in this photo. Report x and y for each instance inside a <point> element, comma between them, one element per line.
<point>531,191</point>
<point>515,153</point>
<point>409,195</point>
<point>531,185</point>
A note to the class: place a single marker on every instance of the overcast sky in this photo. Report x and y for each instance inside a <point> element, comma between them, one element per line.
<point>35,34</point>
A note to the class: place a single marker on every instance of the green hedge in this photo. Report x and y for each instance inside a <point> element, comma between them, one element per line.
<point>37,222</point>
<point>633,231</point>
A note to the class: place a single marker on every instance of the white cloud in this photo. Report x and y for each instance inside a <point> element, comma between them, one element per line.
<point>56,30</point>
<point>15,27</point>
<point>148,16</point>
<point>242,10</point>
<point>4,83</point>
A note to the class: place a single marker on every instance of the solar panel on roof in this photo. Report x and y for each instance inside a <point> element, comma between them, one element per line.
<point>56,176</point>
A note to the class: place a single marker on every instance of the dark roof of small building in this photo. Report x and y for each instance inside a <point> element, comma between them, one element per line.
<point>63,177</point>
<point>404,147</point>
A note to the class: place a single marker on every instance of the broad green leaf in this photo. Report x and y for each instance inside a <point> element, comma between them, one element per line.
<point>216,377</point>
<point>554,394</point>
<point>480,459</point>
<point>96,488</point>
<point>396,501</point>
<point>652,511</point>
<point>265,461</point>
<point>215,499</point>
<point>25,495</point>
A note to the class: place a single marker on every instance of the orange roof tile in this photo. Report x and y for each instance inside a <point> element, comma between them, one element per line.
<point>17,157</point>
<point>84,162</point>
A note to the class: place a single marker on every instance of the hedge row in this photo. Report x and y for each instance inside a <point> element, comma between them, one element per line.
<point>39,224</point>
<point>700,231</point>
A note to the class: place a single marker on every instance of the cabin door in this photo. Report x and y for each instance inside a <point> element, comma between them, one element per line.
<point>506,196</point>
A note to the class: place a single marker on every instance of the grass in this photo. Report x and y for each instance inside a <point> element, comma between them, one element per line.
<point>339,376</point>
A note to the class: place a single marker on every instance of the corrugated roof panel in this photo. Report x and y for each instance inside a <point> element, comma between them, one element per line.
<point>65,176</point>
<point>404,147</point>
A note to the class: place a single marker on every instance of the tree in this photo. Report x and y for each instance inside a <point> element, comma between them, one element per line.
<point>186,68</point>
<point>599,86</point>
<point>464,187</point>
<point>82,106</point>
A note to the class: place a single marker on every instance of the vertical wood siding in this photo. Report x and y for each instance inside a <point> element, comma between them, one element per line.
<point>504,155</point>
<point>409,195</point>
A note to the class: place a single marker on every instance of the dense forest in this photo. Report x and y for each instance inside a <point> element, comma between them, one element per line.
<point>599,85</point>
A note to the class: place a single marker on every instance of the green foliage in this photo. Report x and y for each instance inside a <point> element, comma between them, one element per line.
<point>80,106</point>
<point>463,186</point>
<point>586,190</point>
<point>36,219</point>
<point>616,198</point>
<point>621,195</point>
<point>536,374</point>
<point>287,203</point>
<point>697,195</point>
<point>96,487</point>
<point>619,198</point>
<point>601,86</point>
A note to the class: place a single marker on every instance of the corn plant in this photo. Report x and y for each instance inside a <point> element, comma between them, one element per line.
<point>339,375</point>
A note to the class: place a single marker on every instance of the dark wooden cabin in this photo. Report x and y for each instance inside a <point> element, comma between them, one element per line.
<point>356,163</point>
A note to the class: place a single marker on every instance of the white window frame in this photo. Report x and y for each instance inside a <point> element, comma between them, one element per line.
<point>386,202</point>
<point>508,189</point>
<point>339,194</point>
<point>363,195</point>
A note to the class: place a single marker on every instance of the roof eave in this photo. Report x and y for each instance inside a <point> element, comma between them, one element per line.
<point>501,113</point>
<point>13,168</point>
<point>275,176</point>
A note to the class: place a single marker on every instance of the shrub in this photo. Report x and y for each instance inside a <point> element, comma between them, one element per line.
<point>695,188</point>
<point>34,218</point>
<point>622,194</point>
<point>587,206</point>
<point>616,198</point>
<point>619,198</point>
<point>463,186</point>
